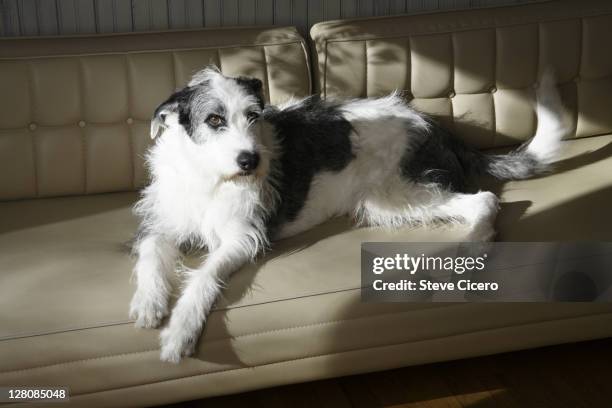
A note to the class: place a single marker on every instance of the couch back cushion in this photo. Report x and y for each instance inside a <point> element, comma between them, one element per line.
<point>75,111</point>
<point>476,70</point>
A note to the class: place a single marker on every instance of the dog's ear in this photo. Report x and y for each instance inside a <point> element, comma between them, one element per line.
<point>253,86</point>
<point>213,68</point>
<point>204,75</point>
<point>161,114</point>
<point>171,110</point>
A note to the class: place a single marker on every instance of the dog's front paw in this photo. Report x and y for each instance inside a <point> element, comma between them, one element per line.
<point>147,310</point>
<point>176,344</point>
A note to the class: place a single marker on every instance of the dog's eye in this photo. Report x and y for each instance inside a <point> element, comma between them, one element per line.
<point>215,120</point>
<point>252,116</point>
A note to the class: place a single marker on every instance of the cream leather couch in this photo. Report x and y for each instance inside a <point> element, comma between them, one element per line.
<point>73,127</point>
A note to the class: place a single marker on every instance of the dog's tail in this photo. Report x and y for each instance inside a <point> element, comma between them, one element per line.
<point>535,156</point>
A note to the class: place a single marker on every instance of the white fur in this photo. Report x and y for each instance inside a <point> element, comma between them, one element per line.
<point>156,261</point>
<point>553,121</point>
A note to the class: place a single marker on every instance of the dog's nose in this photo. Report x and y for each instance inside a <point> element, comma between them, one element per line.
<point>248,161</point>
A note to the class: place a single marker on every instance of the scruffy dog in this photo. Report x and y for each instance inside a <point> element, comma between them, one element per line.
<point>232,175</point>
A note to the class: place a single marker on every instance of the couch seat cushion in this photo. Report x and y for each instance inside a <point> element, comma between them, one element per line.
<point>293,316</point>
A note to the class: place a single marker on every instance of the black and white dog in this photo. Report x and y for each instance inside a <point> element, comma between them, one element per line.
<point>231,175</point>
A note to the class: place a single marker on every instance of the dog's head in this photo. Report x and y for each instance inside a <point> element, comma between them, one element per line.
<point>221,116</point>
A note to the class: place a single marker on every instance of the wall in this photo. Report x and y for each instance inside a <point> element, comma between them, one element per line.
<point>51,17</point>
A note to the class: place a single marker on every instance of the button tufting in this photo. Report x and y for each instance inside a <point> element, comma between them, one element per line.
<point>32,126</point>
<point>451,94</point>
<point>129,121</point>
<point>81,124</point>
<point>493,89</point>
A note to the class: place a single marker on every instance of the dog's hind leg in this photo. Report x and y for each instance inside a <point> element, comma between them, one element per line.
<point>156,260</point>
<point>419,204</point>
<point>478,211</point>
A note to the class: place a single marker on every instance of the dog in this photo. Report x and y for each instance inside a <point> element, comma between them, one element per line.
<point>232,175</point>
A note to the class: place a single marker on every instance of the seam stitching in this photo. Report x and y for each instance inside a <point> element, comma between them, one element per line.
<point>123,322</point>
<point>408,75</point>
<point>225,338</point>
<point>152,51</point>
<point>230,338</point>
<point>538,66</point>
<point>580,62</point>
<point>364,37</point>
<point>365,79</point>
<point>325,71</point>
<point>81,85</point>
<point>32,119</point>
<point>495,66</point>
<point>130,126</point>
<point>266,73</point>
<point>452,90</point>
<point>309,70</point>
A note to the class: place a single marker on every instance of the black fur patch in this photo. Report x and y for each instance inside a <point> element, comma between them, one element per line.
<point>440,157</point>
<point>313,137</point>
<point>252,86</point>
<point>179,102</point>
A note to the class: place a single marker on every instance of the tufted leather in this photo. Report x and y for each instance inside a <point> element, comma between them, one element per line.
<point>476,70</point>
<point>75,113</point>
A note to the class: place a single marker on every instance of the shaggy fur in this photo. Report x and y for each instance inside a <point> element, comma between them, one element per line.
<point>231,175</point>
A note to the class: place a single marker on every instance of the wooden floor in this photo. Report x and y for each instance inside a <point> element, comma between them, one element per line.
<point>577,375</point>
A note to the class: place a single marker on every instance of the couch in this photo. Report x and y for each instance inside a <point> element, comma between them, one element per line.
<point>74,120</point>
